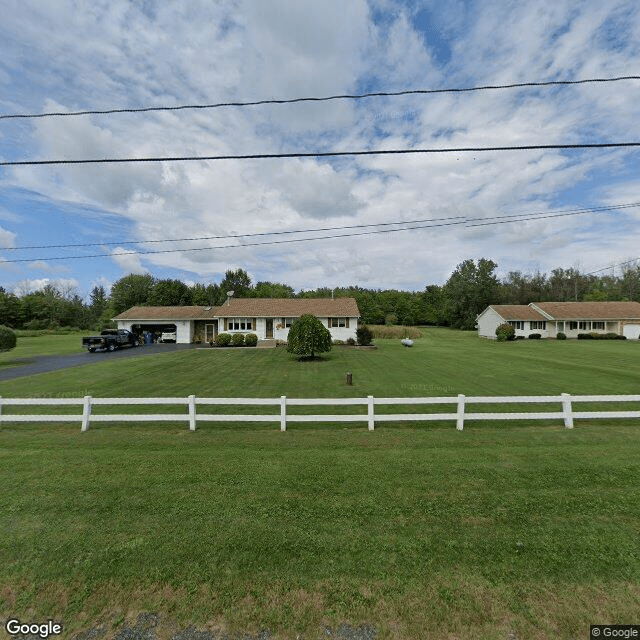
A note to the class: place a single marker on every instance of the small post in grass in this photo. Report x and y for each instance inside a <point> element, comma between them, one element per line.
<point>349,378</point>
<point>567,410</point>
<point>86,413</point>
<point>460,413</point>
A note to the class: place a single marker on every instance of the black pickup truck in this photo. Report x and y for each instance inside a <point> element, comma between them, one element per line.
<point>110,339</point>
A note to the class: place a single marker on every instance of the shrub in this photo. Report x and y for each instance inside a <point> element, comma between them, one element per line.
<point>237,340</point>
<point>519,338</point>
<point>223,339</point>
<point>364,335</point>
<point>535,336</point>
<point>351,342</point>
<point>585,336</point>
<point>619,337</point>
<point>8,338</point>
<point>338,342</point>
<point>561,336</point>
<point>505,332</point>
<point>250,340</point>
<point>611,335</point>
<point>308,336</point>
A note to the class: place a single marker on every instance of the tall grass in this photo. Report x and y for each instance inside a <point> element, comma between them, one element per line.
<point>381,331</point>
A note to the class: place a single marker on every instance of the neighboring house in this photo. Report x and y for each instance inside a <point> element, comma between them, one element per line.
<point>268,318</point>
<point>571,318</point>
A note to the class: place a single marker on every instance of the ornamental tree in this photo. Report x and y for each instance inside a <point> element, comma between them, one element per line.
<point>308,336</point>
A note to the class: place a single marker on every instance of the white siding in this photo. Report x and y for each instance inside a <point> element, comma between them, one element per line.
<point>488,321</point>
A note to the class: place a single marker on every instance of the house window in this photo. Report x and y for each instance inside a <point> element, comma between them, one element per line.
<point>338,322</point>
<point>538,324</point>
<point>240,324</point>
<point>583,324</point>
<point>517,324</point>
<point>287,322</point>
<point>597,325</point>
<point>573,325</point>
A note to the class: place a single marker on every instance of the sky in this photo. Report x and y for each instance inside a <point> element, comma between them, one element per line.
<point>74,55</point>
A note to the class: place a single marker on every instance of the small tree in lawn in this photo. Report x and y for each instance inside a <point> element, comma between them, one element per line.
<point>308,336</point>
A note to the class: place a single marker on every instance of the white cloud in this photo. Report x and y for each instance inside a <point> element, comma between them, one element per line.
<point>117,54</point>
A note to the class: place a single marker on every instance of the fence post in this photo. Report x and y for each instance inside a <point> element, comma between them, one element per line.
<point>460,412</point>
<point>86,413</point>
<point>192,413</point>
<point>283,413</point>
<point>567,410</point>
<point>370,414</point>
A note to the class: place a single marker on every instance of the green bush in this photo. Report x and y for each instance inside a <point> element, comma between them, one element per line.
<point>250,340</point>
<point>611,335</point>
<point>338,342</point>
<point>351,342</point>
<point>237,340</point>
<point>308,337</point>
<point>364,335</point>
<point>535,336</point>
<point>561,336</point>
<point>620,337</point>
<point>8,338</point>
<point>505,332</point>
<point>223,339</point>
<point>585,336</point>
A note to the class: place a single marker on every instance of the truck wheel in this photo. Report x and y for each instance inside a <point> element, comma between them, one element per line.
<point>91,350</point>
<point>111,347</point>
<point>134,343</point>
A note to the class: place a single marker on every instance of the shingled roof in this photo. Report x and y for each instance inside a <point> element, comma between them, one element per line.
<point>249,308</point>
<point>517,312</point>
<point>590,310</point>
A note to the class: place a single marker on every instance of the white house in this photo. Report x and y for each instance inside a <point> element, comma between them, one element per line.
<point>571,318</point>
<point>268,318</point>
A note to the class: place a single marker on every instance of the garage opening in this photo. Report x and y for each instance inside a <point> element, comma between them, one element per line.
<point>632,331</point>
<point>155,332</point>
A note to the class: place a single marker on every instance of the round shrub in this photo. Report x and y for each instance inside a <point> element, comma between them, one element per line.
<point>364,335</point>
<point>585,336</point>
<point>8,338</point>
<point>561,336</point>
<point>223,339</point>
<point>620,337</point>
<point>237,340</point>
<point>351,342</point>
<point>611,335</point>
<point>505,332</point>
<point>535,336</point>
<point>250,340</point>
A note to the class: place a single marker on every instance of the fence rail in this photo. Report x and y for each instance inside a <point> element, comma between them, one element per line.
<point>192,416</point>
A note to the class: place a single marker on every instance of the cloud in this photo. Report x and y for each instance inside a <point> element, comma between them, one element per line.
<point>115,54</point>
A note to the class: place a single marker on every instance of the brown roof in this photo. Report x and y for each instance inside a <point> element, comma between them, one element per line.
<point>517,312</point>
<point>167,313</point>
<point>288,307</point>
<point>591,310</point>
<point>249,307</point>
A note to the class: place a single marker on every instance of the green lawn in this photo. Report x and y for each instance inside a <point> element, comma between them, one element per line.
<point>502,531</point>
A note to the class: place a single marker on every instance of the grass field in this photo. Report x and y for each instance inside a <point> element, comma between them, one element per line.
<point>501,531</point>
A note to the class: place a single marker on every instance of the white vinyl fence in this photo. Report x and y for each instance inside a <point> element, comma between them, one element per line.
<point>192,414</point>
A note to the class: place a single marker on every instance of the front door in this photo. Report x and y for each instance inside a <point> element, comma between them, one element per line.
<point>269,332</point>
<point>210,331</point>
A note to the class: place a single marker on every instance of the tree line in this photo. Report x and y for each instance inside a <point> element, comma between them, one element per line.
<point>472,286</point>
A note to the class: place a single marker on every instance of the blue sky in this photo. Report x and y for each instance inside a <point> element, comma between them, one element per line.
<point>70,55</point>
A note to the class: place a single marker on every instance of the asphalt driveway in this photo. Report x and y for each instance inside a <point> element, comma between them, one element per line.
<point>44,364</point>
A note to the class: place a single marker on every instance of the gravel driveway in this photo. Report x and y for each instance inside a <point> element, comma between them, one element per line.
<point>43,364</point>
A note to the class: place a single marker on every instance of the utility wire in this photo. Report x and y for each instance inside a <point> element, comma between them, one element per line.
<point>326,237</point>
<point>627,205</point>
<point>327,154</point>
<point>321,99</point>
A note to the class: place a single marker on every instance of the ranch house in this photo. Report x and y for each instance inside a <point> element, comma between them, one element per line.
<point>268,318</point>
<point>571,318</point>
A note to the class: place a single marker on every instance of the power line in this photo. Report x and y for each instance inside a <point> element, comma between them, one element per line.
<point>320,99</point>
<point>496,220</point>
<point>464,219</point>
<point>326,154</point>
<point>611,266</point>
